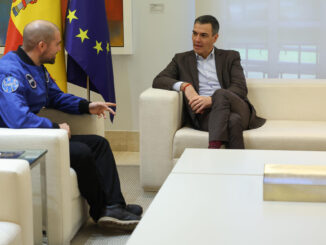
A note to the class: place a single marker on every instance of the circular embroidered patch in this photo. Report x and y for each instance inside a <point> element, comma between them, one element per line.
<point>10,84</point>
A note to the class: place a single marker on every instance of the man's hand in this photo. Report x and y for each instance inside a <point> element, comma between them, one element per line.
<point>66,127</point>
<point>99,108</point>
<point>199,103</point>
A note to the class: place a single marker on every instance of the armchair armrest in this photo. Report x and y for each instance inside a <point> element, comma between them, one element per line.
<point>57,172</point>
<point>16,199</point>
<point>160,117</point>
<point>79,124</point>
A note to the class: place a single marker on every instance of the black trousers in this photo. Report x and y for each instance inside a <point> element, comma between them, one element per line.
<point>98,180</point>
<point>226,119</point>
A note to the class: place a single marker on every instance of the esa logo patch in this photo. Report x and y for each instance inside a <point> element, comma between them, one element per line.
<point>31,80</point>
<point>10,84</point>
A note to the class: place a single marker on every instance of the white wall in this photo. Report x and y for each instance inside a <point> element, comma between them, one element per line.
<point>156,38</point>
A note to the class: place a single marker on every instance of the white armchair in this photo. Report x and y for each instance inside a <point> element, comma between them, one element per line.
<point>160,117</point>
<point>66,209</point>
<point>293,109</point>
<point>16,217</point>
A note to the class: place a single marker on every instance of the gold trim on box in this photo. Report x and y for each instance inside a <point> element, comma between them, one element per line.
<point>294,183</point>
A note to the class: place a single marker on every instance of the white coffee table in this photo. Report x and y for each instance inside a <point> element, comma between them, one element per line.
<point>214,202</point>
<point>249,162</point>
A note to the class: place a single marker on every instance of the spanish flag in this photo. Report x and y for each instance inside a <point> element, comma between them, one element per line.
<point>25,11</point>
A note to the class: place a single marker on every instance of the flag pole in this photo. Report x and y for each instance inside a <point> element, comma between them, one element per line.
<point>88,90</point>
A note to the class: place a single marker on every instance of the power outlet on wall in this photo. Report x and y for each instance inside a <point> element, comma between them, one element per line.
<point>156,8</point>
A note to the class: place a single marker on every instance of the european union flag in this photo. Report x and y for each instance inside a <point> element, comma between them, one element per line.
<point>87,42</point>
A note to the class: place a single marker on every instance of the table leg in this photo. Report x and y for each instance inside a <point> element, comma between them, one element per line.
<point>44,199</point>
<point>37,203</point>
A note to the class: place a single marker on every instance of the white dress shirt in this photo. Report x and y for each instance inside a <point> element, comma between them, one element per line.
<point>208,81</point>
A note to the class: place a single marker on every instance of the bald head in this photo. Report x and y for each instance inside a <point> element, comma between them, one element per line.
<point>37,31</point>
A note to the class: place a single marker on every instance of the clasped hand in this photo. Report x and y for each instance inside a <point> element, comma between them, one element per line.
<point>197,103</point>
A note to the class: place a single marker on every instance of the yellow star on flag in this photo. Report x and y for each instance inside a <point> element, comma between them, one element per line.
<point>98,46</point>
<point>108,47</point>
<point>82,35</point>
<point>71,16</point>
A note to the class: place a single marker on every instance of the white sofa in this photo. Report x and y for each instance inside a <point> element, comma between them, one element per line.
<point>66,209</point>
<point>16,212</point>
<point>294,109</point>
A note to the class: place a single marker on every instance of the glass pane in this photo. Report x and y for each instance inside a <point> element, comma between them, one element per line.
<point>289,56</point>
<point>307,76</point>
<point>289,76</point>
<point>309,57</point>
<point>242,52</point>
<point>258,54</point>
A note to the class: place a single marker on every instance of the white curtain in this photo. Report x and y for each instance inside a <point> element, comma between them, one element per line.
<point>276,38</point>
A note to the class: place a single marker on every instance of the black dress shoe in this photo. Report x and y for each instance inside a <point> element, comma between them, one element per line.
<point>117,217</point>
<point>135,209</point>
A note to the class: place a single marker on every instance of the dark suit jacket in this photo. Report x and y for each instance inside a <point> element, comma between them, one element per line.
<point>183,67</point>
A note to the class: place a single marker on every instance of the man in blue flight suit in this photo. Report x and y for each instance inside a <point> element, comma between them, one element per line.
<point>26,87</point>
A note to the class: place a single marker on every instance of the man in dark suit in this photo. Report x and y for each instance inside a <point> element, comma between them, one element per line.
<point>214,87</point>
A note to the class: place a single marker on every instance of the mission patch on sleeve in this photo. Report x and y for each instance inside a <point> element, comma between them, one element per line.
<point>10,84</point>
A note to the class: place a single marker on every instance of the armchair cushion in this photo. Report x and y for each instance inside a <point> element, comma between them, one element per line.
<point>287,135</point>
<point>10,234</point>
<point>187,137</point>
<point>16,219</point>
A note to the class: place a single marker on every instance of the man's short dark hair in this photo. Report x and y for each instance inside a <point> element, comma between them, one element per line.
<point>209,19</point>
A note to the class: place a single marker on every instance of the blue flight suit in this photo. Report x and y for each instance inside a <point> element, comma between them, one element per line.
<point>25,89</point>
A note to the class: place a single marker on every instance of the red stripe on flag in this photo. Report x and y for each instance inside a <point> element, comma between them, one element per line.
<point>64,5</point>
<point>14,38</point>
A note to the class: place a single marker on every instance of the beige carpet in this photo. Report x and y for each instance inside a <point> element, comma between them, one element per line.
<point>91,234</point>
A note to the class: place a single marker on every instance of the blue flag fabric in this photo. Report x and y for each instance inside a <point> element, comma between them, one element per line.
<point>87,42</point>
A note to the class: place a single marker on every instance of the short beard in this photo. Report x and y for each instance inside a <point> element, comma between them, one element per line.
<point>44,59</point>
<point>47,60</point>
<point>50,61</point>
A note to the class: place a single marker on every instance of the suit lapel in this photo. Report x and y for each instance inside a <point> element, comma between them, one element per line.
<point>219,66</point>
<point>193,69</point>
